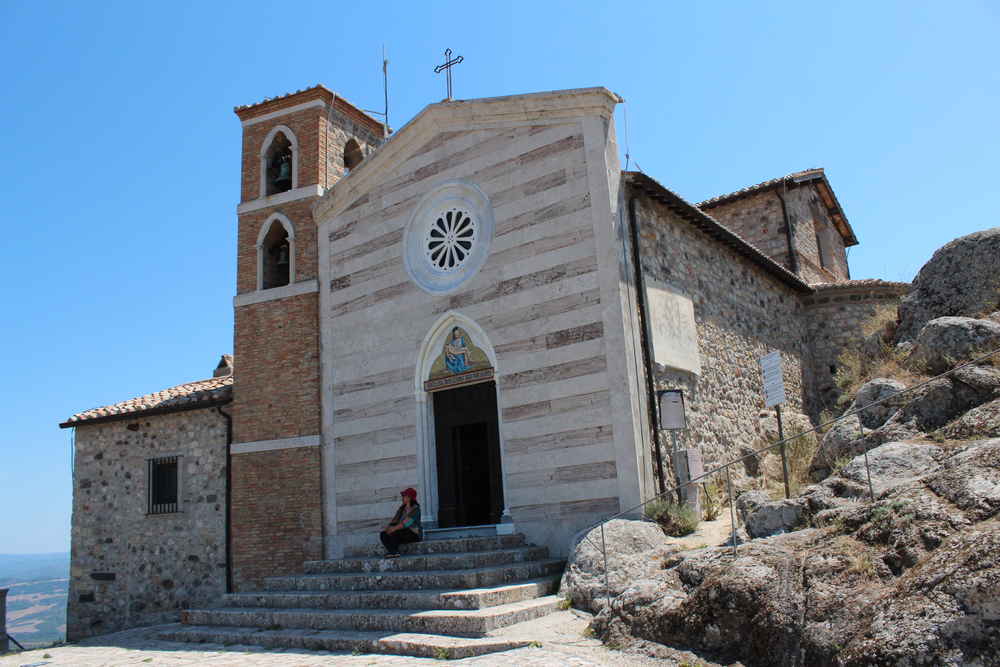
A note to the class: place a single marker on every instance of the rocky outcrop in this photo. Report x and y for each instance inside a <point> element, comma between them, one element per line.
<point>947,342</point>
<point>911,578</point>
<point>959,280</point>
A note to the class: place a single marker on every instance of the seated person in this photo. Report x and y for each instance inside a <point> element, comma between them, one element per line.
<point>405,525</point>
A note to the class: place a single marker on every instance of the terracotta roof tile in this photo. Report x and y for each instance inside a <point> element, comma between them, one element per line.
<point>826,190</point>
<point>797,177</point>
<point>861,284</point>
<point>185,396</point>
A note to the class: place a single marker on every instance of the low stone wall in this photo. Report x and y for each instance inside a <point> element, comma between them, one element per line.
<point>832,317</point>
<point>131,569</point>
<point>742,314</point>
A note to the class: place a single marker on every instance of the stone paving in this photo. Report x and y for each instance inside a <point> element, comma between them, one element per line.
<point>564,644</point>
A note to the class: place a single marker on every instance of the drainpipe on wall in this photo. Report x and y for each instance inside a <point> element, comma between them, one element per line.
<point>229,493</point>
<point>640,299</point>
<point>793,260</point>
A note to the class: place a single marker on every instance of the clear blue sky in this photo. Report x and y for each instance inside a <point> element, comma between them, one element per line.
<point>121,177</point>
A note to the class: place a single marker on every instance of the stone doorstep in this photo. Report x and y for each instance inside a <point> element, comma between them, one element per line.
<point>438,546</point>
<point>451,622</point>
<point>446,561</point>
<point>417,645</point>
<point>416,580</point>
<point>478,598</point>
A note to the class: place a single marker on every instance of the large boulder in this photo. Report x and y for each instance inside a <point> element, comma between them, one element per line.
<point>936,403</point>
<point>947,342</point>
<point>971,479</point>
<point>892,464</point>
<point>884,392</point>
<point>748,503</point>
<point>959,280</point>
<point>836,445</point>
<point>777,517</point>
<point>634,549</point>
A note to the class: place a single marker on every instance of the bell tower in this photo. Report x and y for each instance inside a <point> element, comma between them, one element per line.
<point>295,147</point>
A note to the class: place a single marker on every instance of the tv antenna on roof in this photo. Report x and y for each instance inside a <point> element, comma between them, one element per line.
<point>449,61</point>
<point>385,84</point>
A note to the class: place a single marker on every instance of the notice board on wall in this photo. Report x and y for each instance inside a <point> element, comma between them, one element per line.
<point>672,331</point>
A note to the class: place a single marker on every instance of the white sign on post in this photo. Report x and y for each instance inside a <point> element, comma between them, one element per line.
<point>774,383</point>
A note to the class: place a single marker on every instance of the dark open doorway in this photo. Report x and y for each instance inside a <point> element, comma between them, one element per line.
<point>467,436</point>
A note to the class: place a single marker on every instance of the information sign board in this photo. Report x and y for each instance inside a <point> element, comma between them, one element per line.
<point>774,383</point>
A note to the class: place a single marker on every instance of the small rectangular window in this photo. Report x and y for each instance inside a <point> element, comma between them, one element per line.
<point>164,485</point>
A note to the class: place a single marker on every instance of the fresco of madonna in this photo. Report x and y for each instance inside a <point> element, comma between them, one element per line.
<point>458,355</point>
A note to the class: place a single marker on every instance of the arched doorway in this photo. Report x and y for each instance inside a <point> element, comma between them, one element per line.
<point>460,431</point>
<point>467,444</point>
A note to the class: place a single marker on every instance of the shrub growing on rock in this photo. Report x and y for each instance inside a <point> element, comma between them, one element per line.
<point>676,520</point>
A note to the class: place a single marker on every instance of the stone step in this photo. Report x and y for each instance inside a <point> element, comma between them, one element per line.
<point>431,545</point>
<point>478,598</point>
<point>442,561</point>
<point>484,577</point>
<point>418,645</point>
<point>451,622</point>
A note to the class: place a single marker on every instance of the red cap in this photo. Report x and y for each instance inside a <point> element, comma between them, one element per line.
<point>409,492</point>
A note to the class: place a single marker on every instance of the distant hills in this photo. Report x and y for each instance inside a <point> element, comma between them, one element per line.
<point>36,601</point>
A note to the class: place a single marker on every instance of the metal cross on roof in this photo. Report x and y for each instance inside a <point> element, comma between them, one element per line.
<point>449,61</point>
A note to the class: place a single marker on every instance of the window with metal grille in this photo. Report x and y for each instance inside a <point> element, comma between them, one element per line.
<point>164,485</point>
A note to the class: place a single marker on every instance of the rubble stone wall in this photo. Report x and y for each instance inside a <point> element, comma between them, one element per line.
<point>742,314</point>
<point>131,569</point>
<point>832,317</point>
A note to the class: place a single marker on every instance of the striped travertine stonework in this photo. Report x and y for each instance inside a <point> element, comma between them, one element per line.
<point>538,298</point>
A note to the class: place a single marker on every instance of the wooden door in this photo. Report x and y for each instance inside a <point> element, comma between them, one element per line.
<point>467,436</point>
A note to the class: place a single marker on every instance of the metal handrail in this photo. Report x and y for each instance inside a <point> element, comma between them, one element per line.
<point>725,466</point>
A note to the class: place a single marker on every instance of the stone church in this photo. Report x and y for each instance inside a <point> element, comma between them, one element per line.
<point>481,306</point>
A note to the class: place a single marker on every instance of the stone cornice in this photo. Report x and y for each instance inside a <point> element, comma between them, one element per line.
<point>493,112</point>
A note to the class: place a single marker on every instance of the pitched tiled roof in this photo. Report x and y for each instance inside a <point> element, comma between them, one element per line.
<point>799,177</point>
<point>708,225</point>
<point>865,283</point>
<point>203,393</point>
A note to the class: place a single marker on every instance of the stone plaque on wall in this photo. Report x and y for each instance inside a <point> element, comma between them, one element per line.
<point>673,334</point>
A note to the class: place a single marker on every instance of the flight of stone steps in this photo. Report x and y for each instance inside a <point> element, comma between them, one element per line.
<point>439,599</point>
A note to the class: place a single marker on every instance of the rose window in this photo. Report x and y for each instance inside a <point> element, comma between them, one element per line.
<point>450,240</point>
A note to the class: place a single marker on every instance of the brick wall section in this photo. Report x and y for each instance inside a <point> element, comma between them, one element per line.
<point>277,517</point>
<point>298,213</point>
<point>759,220</point>
<point>160,564</point>
<point>276,390</point>
<point>741,314</point>
<point>832,317</point>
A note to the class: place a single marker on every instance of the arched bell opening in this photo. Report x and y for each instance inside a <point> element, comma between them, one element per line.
<point>279,168</point>
<point>353,154</point>
<point>276,253</point>
<point>460,430</point>
<point>279,165</point>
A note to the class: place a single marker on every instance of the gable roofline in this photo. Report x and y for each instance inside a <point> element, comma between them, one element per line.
<point>485,113</point>
<point>325,97</point>
<point>649,186</point>
<point>798,179</point>
<point>189,396</point>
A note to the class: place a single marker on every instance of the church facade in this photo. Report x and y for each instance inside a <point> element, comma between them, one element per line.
<point>480,307</point>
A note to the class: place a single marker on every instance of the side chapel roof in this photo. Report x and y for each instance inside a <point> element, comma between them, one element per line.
<point>189,396</point>
<point>797,179</point>
<point>649,186</point>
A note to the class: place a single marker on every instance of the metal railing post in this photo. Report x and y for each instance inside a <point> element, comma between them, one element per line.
<point>871,490</point>
<point>604,551</point>
<point>4,644</point>
<point>732,511</point>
